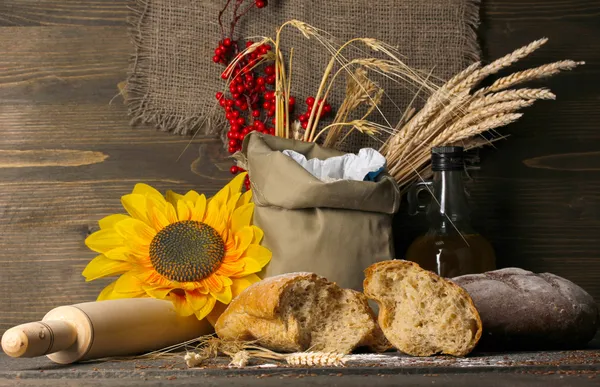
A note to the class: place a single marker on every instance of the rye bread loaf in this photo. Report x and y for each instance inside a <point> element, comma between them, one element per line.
<point>301,311</point>
<point>524,310</point>
<point>420,313</point>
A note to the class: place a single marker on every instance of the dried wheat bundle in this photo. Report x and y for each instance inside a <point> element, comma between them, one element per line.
<point>242,352</point>
<point>458,113</point>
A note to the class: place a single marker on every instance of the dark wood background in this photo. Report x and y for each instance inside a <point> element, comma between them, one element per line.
<point>67,153</point>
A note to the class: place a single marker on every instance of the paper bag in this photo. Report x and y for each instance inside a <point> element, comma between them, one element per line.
<point>335,229</point>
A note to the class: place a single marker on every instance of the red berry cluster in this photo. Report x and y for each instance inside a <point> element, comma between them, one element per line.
<point>310,103</point>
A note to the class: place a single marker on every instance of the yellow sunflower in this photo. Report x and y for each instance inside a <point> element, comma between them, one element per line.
<point>198,253</point>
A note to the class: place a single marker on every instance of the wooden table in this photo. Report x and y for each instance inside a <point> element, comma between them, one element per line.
<point>556,368</point>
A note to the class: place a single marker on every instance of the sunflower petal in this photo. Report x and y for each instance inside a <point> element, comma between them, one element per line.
<point>234,186</point>
<point>148,191</point>
<point>224,295</point>
<point>106,293</point>
<point>125,254</point>
<point>173,197</point>
<point>199,209</point>
<point>111,220</point>
<point>134,230</point>
<point>206,309</point>
<point>260,254</point>
<point>182,307</point>
<point>245,198</point>
<point>183,211</point>
<point>240,284</point>
<point>251,266</point>
<point>171,213</point>
<point>243,238</point>
<point>101,266</point>
<point>258,235</point>
<point>104,240</point>
<point>242,216</point>
<point>156,216</point>
<point>128,283</point>
<point>160,293</point>
<point>135,205</point>
<point>191,196</point>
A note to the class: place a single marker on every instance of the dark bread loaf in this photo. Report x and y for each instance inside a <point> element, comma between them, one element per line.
<point>523,310</point>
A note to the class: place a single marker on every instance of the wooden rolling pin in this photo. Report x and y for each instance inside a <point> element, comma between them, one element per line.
<point>95,330</point>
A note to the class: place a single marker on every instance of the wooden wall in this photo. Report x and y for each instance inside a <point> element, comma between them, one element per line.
<point>67,152</point>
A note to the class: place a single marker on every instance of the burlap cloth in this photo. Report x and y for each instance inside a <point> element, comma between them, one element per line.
<point>173,81</point>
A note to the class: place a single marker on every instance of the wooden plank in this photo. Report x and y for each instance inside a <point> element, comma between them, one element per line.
<point>62,64</point>
<point>23,13</point>
<point>537,196</point>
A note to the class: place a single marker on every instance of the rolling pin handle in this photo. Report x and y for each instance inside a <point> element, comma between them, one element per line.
<point>38,338</point>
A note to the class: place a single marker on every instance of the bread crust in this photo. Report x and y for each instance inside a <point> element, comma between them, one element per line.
<point>385,317</point>
<point>256,314</point>
<point>524,310</point>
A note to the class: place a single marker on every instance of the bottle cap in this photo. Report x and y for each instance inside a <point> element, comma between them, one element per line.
<point>447,158</point>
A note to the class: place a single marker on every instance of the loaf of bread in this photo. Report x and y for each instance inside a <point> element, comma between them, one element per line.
<point>420,313</point>
<point>524,310</point>
<point>301,311</point>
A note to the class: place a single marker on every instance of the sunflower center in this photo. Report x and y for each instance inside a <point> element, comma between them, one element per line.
<point>187,251</point>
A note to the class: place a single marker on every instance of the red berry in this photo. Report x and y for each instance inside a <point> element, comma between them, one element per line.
<point>260,81</point>
<point>303,117</point>
<point>238,102</point>
<point>255,113</point>
<point>227,42</point>
<point>234,169</point>
<point>309,110</point>
<point>246,130</point>
<point>235,114</point>
<point>249,43</point>
<point>292,101</point>
<point>231,135</point>
<point>327,108</point>
<point>229,103</point>
<point>270,79</point>
<point>266,105</point>
<point>271,112</point>
<point>232,121</point>
<point>272,131</point>
<point>259,124</point>
<point>240,89</point>
<point>269,95</point>
<point>270,70</point>
<point>263,88</point>
<point>236,96</point>
<point>244,106</point>
<point>304,124</point>
<point>241,121</point>
<point>260,3</point>
<point>229,116</point>
<point>231,150</point>
<point>310,101</point>
<point>223,102</point>
<point>235,127</point>
<point>218,51</point>
<point>224,75</point>
<point>232,143</point>
<point>217,59</point>
<point>219,95</point>
<point>273,121</point>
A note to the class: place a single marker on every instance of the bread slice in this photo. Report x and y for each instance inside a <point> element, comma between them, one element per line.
<point>301,311</point>
<point>420,313</point>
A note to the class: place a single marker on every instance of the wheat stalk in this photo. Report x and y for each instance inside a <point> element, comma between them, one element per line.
<point>316,359</point>
<point>497,65</point>
<point>240,359</point>
<point>543,71</point>
<point>492,122</point>
<point>510,95</point>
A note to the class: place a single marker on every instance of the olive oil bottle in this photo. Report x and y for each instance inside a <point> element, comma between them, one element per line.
<point>450,247</point>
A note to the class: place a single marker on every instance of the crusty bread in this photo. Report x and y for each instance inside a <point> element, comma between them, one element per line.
<point>524,310</point>
<point>301,311</point>
<point>420,313</point>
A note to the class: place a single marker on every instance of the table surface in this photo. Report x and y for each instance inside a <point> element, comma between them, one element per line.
<point>560,368</point>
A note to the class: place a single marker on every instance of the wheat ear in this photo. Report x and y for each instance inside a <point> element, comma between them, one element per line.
<point>543,71</point>
<point>499,64</point>
<point>493,122</point>
<point>511,95</point>
<point>316,359</point>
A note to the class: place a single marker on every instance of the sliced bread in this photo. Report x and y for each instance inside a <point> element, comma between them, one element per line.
<point>420,313</point>
<point>301,311</point>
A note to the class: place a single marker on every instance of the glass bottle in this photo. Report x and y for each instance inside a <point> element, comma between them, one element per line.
<point>450,247</point>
